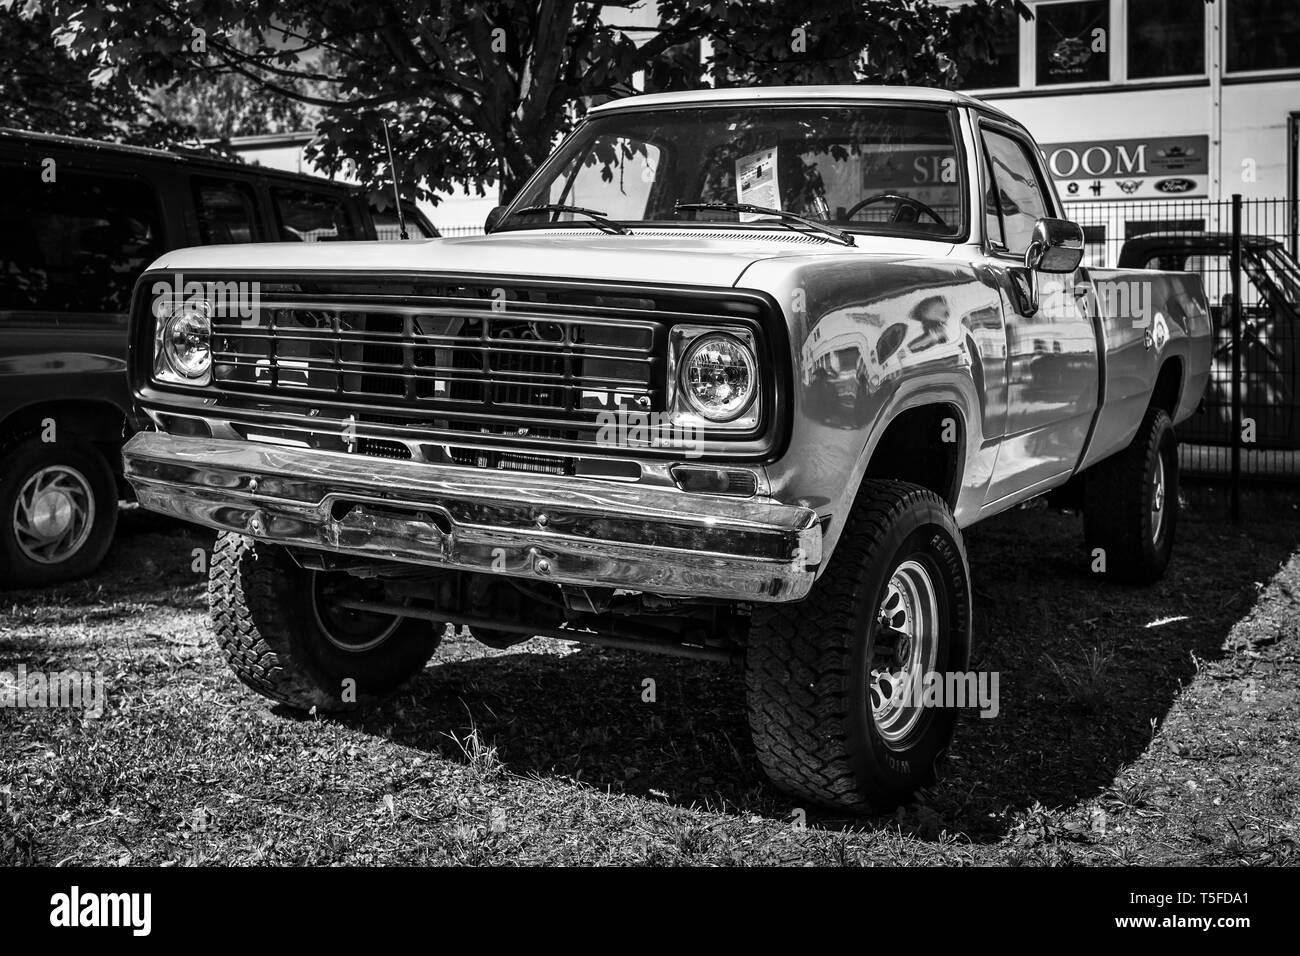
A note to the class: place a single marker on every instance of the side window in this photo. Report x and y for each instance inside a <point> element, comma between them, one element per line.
<point>74,245</point>
<point>992,212</point>
<point>1020,200</point>
<point>308,216</point>
<point>227,212</point>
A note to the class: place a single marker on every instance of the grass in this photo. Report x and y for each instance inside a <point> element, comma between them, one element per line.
<point>1083,682</point>
<point>1137,725</point>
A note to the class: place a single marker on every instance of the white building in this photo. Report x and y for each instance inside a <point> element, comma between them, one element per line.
<point>1159,100</point>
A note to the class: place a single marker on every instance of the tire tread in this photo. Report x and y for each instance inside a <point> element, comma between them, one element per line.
<point>798,660</point>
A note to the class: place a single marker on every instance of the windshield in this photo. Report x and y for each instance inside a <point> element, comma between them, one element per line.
<point>893,170</point>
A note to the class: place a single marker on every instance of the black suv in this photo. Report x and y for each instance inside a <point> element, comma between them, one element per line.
<point>80,221</point>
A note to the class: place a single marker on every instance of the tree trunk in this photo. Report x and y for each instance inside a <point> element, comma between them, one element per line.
<point>516,166</point>
<point>510,186</point>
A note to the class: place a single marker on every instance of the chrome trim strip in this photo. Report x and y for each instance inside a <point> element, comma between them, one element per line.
<point>550,528</point>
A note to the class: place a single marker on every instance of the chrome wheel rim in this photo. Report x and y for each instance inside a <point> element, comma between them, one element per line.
<point>348,629</point>
<point>904,651</point>
<point>1158,499</point>
<point>53,514</point>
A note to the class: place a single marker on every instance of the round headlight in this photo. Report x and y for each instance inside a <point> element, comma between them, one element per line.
<point>187,340</point>
<point>719,376</point>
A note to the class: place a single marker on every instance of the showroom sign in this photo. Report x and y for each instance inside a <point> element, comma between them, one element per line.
<point>1152,168</point>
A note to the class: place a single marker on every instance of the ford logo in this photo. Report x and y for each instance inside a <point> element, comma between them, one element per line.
<point>1175,185</point>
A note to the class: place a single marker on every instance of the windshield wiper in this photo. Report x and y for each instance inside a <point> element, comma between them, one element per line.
<point>605,225</point>
<point>787,218</point>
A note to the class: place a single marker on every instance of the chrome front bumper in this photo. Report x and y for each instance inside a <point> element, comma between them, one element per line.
<point>542,527</point>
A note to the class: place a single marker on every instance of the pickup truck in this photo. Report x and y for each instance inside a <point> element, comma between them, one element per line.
<point>725,380</point>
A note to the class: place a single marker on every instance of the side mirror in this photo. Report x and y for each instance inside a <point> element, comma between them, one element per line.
<point>494,218</point>
<point>1056,246</point>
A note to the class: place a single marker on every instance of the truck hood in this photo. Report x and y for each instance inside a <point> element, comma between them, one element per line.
<point>655,256</point>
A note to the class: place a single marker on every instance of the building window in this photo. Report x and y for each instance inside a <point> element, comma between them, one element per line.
<point>1073,43</point>
<point>1165,38</point>
<point>1004,68</point>
<point>1263,35</point>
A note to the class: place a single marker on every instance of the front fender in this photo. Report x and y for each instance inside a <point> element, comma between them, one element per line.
<point>871,337</point>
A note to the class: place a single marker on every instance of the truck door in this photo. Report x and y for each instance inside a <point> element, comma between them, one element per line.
<point>1052,362</point>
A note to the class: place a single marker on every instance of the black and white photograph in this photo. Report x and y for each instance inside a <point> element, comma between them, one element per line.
<point>697,434</point>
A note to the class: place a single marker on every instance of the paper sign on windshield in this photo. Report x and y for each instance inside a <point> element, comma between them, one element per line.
<point>756,182</point>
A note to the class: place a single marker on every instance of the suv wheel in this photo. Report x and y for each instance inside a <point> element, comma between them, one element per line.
<point>58,505</point>
<point>287,636</point>
<point>1130,509</point>
<point>831,680</point>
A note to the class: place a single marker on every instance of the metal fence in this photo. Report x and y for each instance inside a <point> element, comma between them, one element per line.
<point>1245,252</point>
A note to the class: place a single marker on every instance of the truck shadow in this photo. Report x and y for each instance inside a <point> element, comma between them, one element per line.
<point>1088,671</point>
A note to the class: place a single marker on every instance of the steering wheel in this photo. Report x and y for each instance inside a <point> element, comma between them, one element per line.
<point>903,202</point>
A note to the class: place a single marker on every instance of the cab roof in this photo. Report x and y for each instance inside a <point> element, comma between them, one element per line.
<point>710,97</point>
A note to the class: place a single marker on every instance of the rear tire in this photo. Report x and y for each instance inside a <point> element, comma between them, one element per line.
<point>285,639</point>
<point>820,724</point>
<point>1131,506</point>
<point>58,511</point>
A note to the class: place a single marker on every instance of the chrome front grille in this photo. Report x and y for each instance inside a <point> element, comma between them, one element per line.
<point>563,370</point>
<point>492,373</point>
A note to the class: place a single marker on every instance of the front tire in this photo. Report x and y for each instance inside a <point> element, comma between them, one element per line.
<point>285,636</point>
<point>58,511</point>
<point>1130,509</point>
<point>893,605</point>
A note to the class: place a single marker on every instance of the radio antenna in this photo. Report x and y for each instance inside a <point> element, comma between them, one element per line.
<point>397,196</point>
